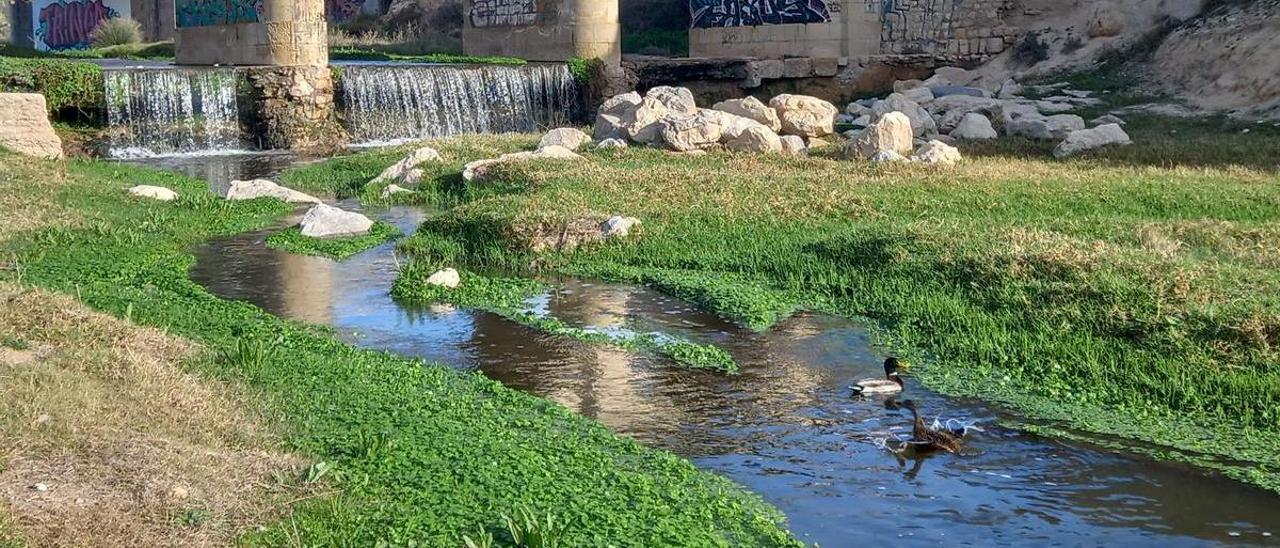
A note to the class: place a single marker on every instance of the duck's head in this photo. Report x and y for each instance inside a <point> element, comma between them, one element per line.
<point>891,365</point>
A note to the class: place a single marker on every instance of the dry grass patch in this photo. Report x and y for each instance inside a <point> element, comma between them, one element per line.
<point>28,195</point>
<point>129,450</point>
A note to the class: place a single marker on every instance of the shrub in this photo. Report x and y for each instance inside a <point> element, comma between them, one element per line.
<point>1031,49</point>
<point>116,31</point>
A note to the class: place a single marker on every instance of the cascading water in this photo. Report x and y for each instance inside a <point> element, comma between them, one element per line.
<point>156,112</point>
<point>391,103</point>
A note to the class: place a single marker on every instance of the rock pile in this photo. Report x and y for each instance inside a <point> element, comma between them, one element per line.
<point>669,117</point>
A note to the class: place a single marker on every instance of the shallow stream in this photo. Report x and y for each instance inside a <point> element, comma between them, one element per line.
<point>785,427</point>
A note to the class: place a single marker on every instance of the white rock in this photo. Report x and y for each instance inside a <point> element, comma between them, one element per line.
<point>571,138</point>
<point>1053,107</point>
<point>921,122</point>
<point>609,126</point>
<point>153,192</point>
<point>752,109</point>
<point>974,126</point>
<point>25,127</point>
<point>677,99</point>
<point>937,153</point>
<point>684,133</point>
<point>324,221</point>
<point>611,143</point>
<point>447,278</point>
<point>477,170</point>
<point>1045,128</point>
<point>891,132</point>
<point>406,168</point>
<point>953,76</point>
<point>618,225</point>
<point>886,156</point>
<point>755,139</point>
<point>620,105</point>
<point>1088,139</point>
<point>262,188</point>
<point>856,109</point>
<point>861,121</point>
<point>42,487</point>
<point>1010,89</point>
<point>919,95</point>
<point>1107,119</point>
<point>793,145</point>
<point>394,189</point>
<point>804,115</point>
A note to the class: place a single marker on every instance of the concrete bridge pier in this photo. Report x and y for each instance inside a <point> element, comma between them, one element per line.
<point>541,30</point>
<point>284,46</point>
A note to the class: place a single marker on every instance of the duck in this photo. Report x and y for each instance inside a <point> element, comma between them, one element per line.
<point>890,384</point>
<point>927,439</point>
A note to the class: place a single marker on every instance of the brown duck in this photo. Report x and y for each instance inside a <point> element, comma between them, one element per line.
<point>925,438</point>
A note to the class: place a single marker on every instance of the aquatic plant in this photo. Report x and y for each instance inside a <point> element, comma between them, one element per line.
<point>292,240</point>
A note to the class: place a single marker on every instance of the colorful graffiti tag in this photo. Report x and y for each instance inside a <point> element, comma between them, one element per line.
<point>750,13</point>
<point>204,13</point>
<point>69,24</point>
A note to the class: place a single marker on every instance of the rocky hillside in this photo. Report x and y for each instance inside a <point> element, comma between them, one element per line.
<point>1229,58</point>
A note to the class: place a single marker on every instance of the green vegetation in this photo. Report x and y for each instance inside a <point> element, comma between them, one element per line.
<point>1128,292</point>
<point>380,54</point>
<point>412,452</point>
<point>115,32</point>
<point>64,84</point>
<point>152,50</point>
<point>507,297</point>
<point>292,240</point>
<point>581,69</point>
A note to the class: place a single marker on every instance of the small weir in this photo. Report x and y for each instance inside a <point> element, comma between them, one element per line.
<point>785,427</point>
<point>389,103</point>
<point>161,111</point>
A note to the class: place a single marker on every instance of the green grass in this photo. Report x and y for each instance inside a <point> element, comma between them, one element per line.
<point>292,240</point>
<point>1128,292</point>
<point>153,50</point>
<point>413,452</point>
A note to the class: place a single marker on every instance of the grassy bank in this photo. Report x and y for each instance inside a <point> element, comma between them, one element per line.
<point>1131,292</point>
<point>403,451</point>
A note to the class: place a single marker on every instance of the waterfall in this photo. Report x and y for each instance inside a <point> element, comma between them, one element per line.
<point>170,111</point>
<point>384,103</point>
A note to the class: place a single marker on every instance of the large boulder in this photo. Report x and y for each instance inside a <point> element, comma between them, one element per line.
<point>571,138</point>
<point>478,170</point>
<point>752,109</point>
<point>405,171</point>
<point>974,126</point>
<point>25,127</point>
<point>892,132</point>
<point>756,138</point>
<point>793,145</point>
<point>153,192</point>
<point>614,115</point>
<point>1088,139</point>
<point>645,124</point>
<point>685,133</point>
<point>921,122</point>
<point>262,188</point>
<point>617,226</point>
<point>804,115</point>
<point>937,153</point>
<point>919,95</point>
<point>1045,128</point>
<point>325,221</point>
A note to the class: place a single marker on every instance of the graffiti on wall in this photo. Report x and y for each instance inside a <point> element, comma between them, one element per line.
<point>503,13</point>
<point>337,11</point>
<point>204,13</point>
<point>69,24</point>
<point>916,25</point>
<point>750,13</point>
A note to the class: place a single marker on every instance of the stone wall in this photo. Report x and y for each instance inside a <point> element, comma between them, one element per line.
<point>291,108</point>
<point>251,32</point>
<point>542,30</point>
<point>853,28</point>
<point>157,18</point>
